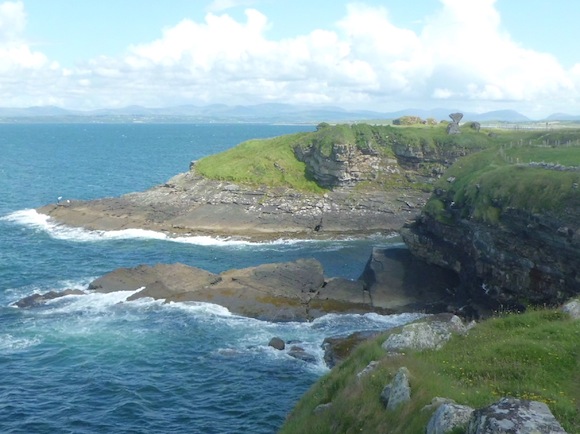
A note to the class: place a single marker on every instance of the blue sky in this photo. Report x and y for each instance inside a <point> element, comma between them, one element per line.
<point>475,55</point>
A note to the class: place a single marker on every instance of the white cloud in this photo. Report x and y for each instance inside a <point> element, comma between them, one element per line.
<point>461,55</point>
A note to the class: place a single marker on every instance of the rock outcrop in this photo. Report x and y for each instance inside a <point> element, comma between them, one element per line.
<point>397,392</point>
<point>511,415</point>
<point>529,258</point>
<point>449,416</point>
<point>289,291</point>
<point>429,333</point>
<point>453,127</point>
<point>189,205</point>
<point>346,165</point>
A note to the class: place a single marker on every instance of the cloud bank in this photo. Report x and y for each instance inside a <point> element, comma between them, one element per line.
<point>461,57</point>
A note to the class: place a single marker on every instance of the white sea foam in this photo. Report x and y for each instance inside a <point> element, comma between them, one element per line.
<point>11,344</point>
<point>41,222</point>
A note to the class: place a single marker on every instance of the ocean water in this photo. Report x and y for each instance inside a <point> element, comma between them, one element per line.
<point>93,364</point>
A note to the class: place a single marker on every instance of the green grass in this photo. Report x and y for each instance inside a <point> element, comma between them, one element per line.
<point>269,162</point>
<point>272,162</point>
<point>489,182</point>
<point>533,356</point>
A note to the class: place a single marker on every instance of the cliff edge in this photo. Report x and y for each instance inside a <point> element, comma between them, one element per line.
<point>506,221</point>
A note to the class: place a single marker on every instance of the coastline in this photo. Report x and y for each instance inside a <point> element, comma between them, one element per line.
<point>190,205</point>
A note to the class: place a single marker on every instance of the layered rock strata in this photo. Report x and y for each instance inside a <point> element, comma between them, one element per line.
<point>190,204</point>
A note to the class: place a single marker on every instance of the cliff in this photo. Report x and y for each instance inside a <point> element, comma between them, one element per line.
<point>508,227</point>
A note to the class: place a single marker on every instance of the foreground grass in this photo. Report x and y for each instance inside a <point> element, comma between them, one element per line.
<point>534,356</point>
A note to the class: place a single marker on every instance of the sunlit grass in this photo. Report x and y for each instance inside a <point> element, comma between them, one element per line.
<point>534,356</point>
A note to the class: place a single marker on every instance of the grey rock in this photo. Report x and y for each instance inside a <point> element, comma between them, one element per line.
<point>321,408</point>
<point>448,417</point>
<point>430,333</point>
<point>572,308</point>
<point>368,369</point>
<point>456,117</point>
<point>398,392</point>
<point>277,343</point>
<point>436,403</point>
<point>338,348</point>
<point>511,415</point>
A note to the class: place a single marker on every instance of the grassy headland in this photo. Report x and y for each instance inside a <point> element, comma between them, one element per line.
<point>272,162</point>
<point>528,175</point>
<point>532,356</point>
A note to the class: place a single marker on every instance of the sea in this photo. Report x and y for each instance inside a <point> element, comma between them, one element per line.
<point>97,364</point>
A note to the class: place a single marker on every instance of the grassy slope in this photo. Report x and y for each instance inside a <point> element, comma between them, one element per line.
<point>490,181</point>
<point>532,356</point>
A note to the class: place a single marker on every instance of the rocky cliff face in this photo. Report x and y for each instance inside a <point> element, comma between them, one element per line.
<point>345,166</point>
<point>527,259</point>
<point>348,164</point>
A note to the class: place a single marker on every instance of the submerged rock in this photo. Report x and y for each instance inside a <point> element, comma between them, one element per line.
<point>39,299</point>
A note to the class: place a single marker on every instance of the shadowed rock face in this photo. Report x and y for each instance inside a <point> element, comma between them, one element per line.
<point>529,258</point>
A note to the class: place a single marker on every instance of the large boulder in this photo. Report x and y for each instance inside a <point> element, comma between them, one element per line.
<point>511,415</point>
<point>448,417</point>
<point>428,333</point>
<point>572,308</point>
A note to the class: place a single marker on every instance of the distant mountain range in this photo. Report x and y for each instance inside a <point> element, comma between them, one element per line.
<point>260,113</point>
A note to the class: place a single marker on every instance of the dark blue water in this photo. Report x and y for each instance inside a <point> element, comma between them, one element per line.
<point>92,364</point>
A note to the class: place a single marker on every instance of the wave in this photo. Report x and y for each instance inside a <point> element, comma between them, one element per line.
<point>44,223</point>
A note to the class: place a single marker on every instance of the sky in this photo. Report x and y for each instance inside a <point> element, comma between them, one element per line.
<point>470,55</point>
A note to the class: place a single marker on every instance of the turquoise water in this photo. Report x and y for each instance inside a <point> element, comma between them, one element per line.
<point>94,364</point>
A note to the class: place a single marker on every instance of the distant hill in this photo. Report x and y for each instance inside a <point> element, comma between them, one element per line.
<point>259,113</point>
<point>562,117</point>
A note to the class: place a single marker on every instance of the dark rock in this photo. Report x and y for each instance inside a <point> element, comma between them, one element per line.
<point>277,343</point>
<point>300,354</point>
<point>39,299</point>
<point>475,126</point>
<point>396,279</point>
<point>523,260</point>
<point>511,415</point>
<point>336,349</point>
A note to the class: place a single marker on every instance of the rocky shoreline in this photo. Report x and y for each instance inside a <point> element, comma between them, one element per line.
<point>392,282</point>
<point>189,204</point>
